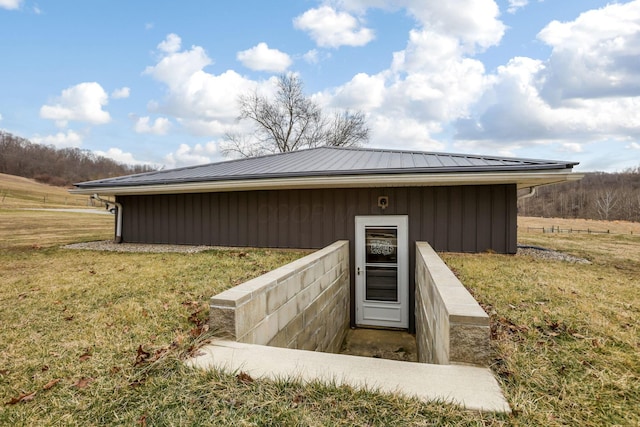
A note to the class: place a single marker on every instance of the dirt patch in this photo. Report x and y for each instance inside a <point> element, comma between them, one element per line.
<point>381,344</point>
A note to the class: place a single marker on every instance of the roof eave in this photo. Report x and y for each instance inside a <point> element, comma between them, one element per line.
<point>522,179</point>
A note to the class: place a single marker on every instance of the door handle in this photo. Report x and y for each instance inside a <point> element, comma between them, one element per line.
<point>358,271</point>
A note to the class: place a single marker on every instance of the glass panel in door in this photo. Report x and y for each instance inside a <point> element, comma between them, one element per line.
<point>381,264</point>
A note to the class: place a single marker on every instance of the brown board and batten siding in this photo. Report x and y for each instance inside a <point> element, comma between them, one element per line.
<point>472,218</point>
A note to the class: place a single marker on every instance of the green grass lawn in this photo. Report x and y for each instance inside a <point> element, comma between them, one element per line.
<point>93,338</point>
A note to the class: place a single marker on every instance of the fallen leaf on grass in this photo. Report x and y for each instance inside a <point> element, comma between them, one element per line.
<point>26,397</point>
<point>297,400</point>
<point>68,318</point>
<point>4,372</point>
<point>141,356</point>
<point>143,421</point>
<point>244,378</point>
<point>83,382</point>
<point>50,384</point>
<point>198,330</point>
<point>193,318</point>
<point>136,383</point>
<point>191,304</point>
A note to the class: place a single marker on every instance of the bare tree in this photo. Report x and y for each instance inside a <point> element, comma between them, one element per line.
<point>291,121</point>
<point>347,129</point>
<point>606,201</point>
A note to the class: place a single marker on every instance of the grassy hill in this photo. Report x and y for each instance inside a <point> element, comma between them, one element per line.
<point>18,192</point>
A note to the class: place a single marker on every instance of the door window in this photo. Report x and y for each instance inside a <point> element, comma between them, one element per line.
<point>381,264</point>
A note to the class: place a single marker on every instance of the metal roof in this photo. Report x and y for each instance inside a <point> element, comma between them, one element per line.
<point>331,161</point>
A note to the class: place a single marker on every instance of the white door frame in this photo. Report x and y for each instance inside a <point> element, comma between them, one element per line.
<point>392,314</point>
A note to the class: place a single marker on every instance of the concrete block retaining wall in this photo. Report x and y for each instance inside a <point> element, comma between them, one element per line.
<point>451,327</point>
<point>302,305</point>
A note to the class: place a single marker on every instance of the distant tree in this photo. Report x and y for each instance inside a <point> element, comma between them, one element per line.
<point>608,196</point>
<point>62,167</point>
<point>606,201</point>
<point>291,121</point>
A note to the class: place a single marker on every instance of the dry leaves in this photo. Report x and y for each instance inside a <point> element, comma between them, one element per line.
<point>244,378</point>
<point>83,382</point>
<point>50,384</point>
<point>26,397</point>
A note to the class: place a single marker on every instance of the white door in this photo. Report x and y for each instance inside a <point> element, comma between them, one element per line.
<point>382,271</point>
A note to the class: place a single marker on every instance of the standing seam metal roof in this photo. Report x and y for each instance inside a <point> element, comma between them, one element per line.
<point>332,161</point>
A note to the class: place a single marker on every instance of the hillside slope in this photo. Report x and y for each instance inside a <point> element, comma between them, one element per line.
<point>18,192</point>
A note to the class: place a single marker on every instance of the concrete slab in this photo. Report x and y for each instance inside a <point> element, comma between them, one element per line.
<point>469,386</point>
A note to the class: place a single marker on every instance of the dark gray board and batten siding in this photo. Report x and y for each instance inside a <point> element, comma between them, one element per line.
<point>450,218</point>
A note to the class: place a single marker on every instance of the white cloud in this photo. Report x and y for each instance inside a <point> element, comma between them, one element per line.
<point>121,157</point>
<point>513,111</point>
<point>475,23</point>
<point>121,93</point>
<point>587,91</point>
<point>403,132</point>
<point>594,56</point>
<point>329,28</point>
<point>10,4</point>
<point>633,146</point>
<point>571,147</point>
<point>0,117</point>
<point>159,126</point>
<point>514,5</point>
<point>149,26</point>
<point>82,102</point>
<point>312,56</point>
<point>363,92</point>
<point>171,44</point>
<point>189,156</point>
<point>70,139</point>
<point>430,83</point>
<point>194,96</point>
<point>262,58</point>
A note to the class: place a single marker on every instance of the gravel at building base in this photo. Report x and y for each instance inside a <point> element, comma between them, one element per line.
<point>543,253</point>
<point>109,245</point>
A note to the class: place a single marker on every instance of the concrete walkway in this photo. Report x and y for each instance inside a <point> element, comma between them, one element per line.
<point>469,386</point>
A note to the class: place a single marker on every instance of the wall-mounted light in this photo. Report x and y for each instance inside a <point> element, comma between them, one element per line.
<point>383,202</point>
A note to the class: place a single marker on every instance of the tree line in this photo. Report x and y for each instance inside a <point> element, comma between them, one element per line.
<point>59,167</point>
<point>599,195</point>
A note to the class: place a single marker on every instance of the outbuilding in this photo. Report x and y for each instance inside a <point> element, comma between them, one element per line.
<point>381,201</point>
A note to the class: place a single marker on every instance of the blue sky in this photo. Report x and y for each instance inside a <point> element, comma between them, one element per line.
<point>158,82</point>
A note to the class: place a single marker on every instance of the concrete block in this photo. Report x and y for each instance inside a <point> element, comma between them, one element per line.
<point>250,314</point>
<point>469,344</point>
<point>276,297</point>
<point>303,299</point>
<point>294,328</point>
<point>230,298</point>
<point>293,285</point>
<point>286,313</point>
<point>280,340</point>
<point>222,321</point>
